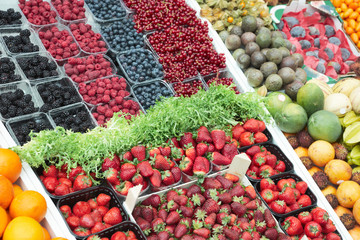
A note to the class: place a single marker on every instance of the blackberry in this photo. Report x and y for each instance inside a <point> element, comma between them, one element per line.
<point>3,110</point>
<point>20,43</point>
<point>27,110</point>
<point>38,66</point>
<point>7,71</point>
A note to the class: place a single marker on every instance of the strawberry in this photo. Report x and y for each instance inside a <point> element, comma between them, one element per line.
<point>238,209</point>
<point>332,236</point>
<point>246,139</point>
<point>260,226</point>
<point>143,224</point>
<point>253,204</point>
<point>210,183</point>
<point>173,217</point>
<point>165,151</point>
<point>92,202</point>
<point>186,211</point>
<point>225,198</point>
<point>283,183</point>
<point>251,125</point>
<point>278,206</point>
<point>111,163</point>
<point>180,199</point>
<point>210,219</point>
<point>167,178</point>
<point>162,214</point>
<point>139,152</point>
<point>127,171</point>
<point>231,234</point>
<point>118,236</point>
<point>288,196</point>
<point>246,236</point>
<point>80,231</point>
<point>211,148</point>
<point>153,200</point>
<point>203,135</point>
<point>294,206</point>
<point>229,151</point>
<point>267,183</point>
<point>99,226</point>
<point>124,187</point>
<point>73,221</point>
<point>261,125</point>
<point>87,221</point>
<point>218,137</point>
<point>271,160</point>
<point>237,191</point>
<point>163,235</point>
<point>137,179</point>
<point>210,206</point>
<point>190,152</point>
<point>201,149</point>
<point>161,163</point>
<point>82,182</point>
<point>187,139</point>
<point>155,179</point>
<point>128,156</point>
<point>237,130</point>
<point>153,152</point>
<point>81,208</point>
<point>50,172</point>
<point>266,171</point>
<point>253,150</point>
<point>219,159</point>
<point>269,219</point>
<point>65,211</point>
<point>304,201</point>
<point>259,161</point>
<point>260,137</point>
<point>177,153</point>
<point>312,229</point>
<point>319,215</point>
<point>225,183</point>
<point>203,232</point>
<point>174,142</point>
<point>280,166</point>
<point>112,175</point>
<point>267,195</point>
<point>176,172</point>
<point>61,190</point>
<point>103,199</point>
<point>50,183</point>
<point>102,210</point>
<point>186,165</point>
<point>231,177</point>
<point>157,225</point>
<point>250,192</point>
<point>181,229</point>
<point>96,215</point>
<point>147,213</point>
<point>65,181</point>
<point>302,187</point>
<point>201,166</point>
<point>113,216</point>
<point>328,227</point>
<point>145,169</point>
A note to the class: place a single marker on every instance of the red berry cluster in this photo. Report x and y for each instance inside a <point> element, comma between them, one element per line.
<point>102,90</point>
<point>250,132</point>
<point>223,81</point>
<point>70,9</point>
<point>88,40</point>
<point>284,196</point>
<point>185,51</point>
<point>220,207</point>
<point>103,113</point>
<point>263,163</point>
<point>158,15</point>
<point>92,216</point>
<point>59,183</point>
<point>314,225</point>
<point>60,44</point>
<point>187,89</point>
<point>88,68</point>
<point>38,12</point>
<point>128,235</point>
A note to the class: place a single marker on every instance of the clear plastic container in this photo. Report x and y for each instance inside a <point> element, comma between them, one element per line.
<point>13,123</point>
<point>222,74</point>
<point>61,83</point>
<point>61,27</point>
<point>99,20</point>
<point>123,227</point>
<point>191,82</point>
<point>95,29</point>
<point>114,69</point>
<point>72,110</point>
<point>44,54</point>
<point>15,32</point>
<point>122,197</point>
<point>68,22</point>
<point>149,83</point>
<point>124,70</point>
<point>4,6</point>
<point>26,88</point>
<point>17,70</point>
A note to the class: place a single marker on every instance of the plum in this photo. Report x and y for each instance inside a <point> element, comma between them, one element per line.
<point>317,42</point>
<point>314,31</point>
<point>329,31</point>
<point>345,54</point>
<point>291,21</point>
<point>335,65</point>
<point>320,68</point>
<point>298,32</point>
<point>335,40</point>
<point>305,44</point>
<point>329,53</point>
<point>313,53</point>
<point>280,25</point>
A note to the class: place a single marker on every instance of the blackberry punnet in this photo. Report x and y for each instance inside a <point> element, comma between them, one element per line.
<point>38,12</point>
<point>20,42</point>
<point>37,66</point>
<point>149,93</point>
<point>7,71</point>
<point>22,129</point>
<point>10,17</point>
<point>227,81</point>
<point>122,36</point>
<point>76,119</point>
<point>88,68</point>
<point>70,10</point>
<point>140,65</point>
<point>57,94</point>
<point>106,9</point>
<point>88,40</point>
<point>16,103</point>
<point>187,89</point>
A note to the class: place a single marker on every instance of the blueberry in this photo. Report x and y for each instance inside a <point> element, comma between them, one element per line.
<point>335,40</point>
<point>151,93</point>
<point>329,53</point>
<point>320,68</point>
<point>305,44</point>
<point>297,32</point>
<point>329,31</point>
<point>314,31</point>
<point>345,54</point>
<point>106,9</point>
<point>317,42</point>
<point>291,21</point>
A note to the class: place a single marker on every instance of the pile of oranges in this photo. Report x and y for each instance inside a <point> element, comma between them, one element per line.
<point>349,11</point>
<point>20,211</point>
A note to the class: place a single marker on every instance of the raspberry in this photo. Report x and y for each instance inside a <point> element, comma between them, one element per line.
<point>118,100</point>
<point>109,113</point>
<point>105,98</point>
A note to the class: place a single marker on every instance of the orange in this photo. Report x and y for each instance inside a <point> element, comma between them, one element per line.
<point>4,220</point>
<point>352,23</point>
<point>17,189</point>
<point>59,238</point>
<point>6,192</point>
<point>353,6</point>
<point>345,24</point>
<point>29,203</point>
<point>301,152</point>
<point>354,15</point>
<point>24,228</point>
<point>358,45</point>
<point>321,152</point>
<point>349,30</point>
<point>348,12</point>
<point>337,3</point>
<point>46,233</point>
<point>348,2</point>
<point>354,37</point>
<point>343,7</point>
<point>10,164</point>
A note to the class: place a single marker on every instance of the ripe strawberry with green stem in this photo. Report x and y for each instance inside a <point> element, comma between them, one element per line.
<point>177,153</point>
<point>278,206</point>
<point>160,162</point>
<point>229,151</point>
<point>312,229</point>
<point>145,169</point>
<point>267,195</point>
<point>260,137</point>
<point>267,183</point>
<point>201,149</point>
<point>186,139</point>
<point>127,171</point>
<point>82,182</point>
<point>201,166</point>
<point>190,151</point>
<point>219,138</point>
<point>251,125</point>
<point>271,160</point>
<point>165,151</point>
<point>320,215</point>
<point>292,226</point>
<point>219,159</point>
<point>113,216</point>
<point>280,166</point>
<point>288,195</point>
<point>154,151</point>
<point>112,176</point>
<point>304,201</point>
<point>186,165</point>
<point>266,171</point>
<point>301,186</point>
<point>137,179</point>
<point>155,179</point>
<point>203,135</point>
<point>167,178</point>
<point>124,187</point>
<point>246,139</point>
<point>103,199</point>
<point>139,152</point>
<point>237,130</point>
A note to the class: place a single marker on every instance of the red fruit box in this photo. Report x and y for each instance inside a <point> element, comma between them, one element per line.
<point>123,227</point>
<point>275,150</point>
<point>90,193</point>
<point>297,179</point>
